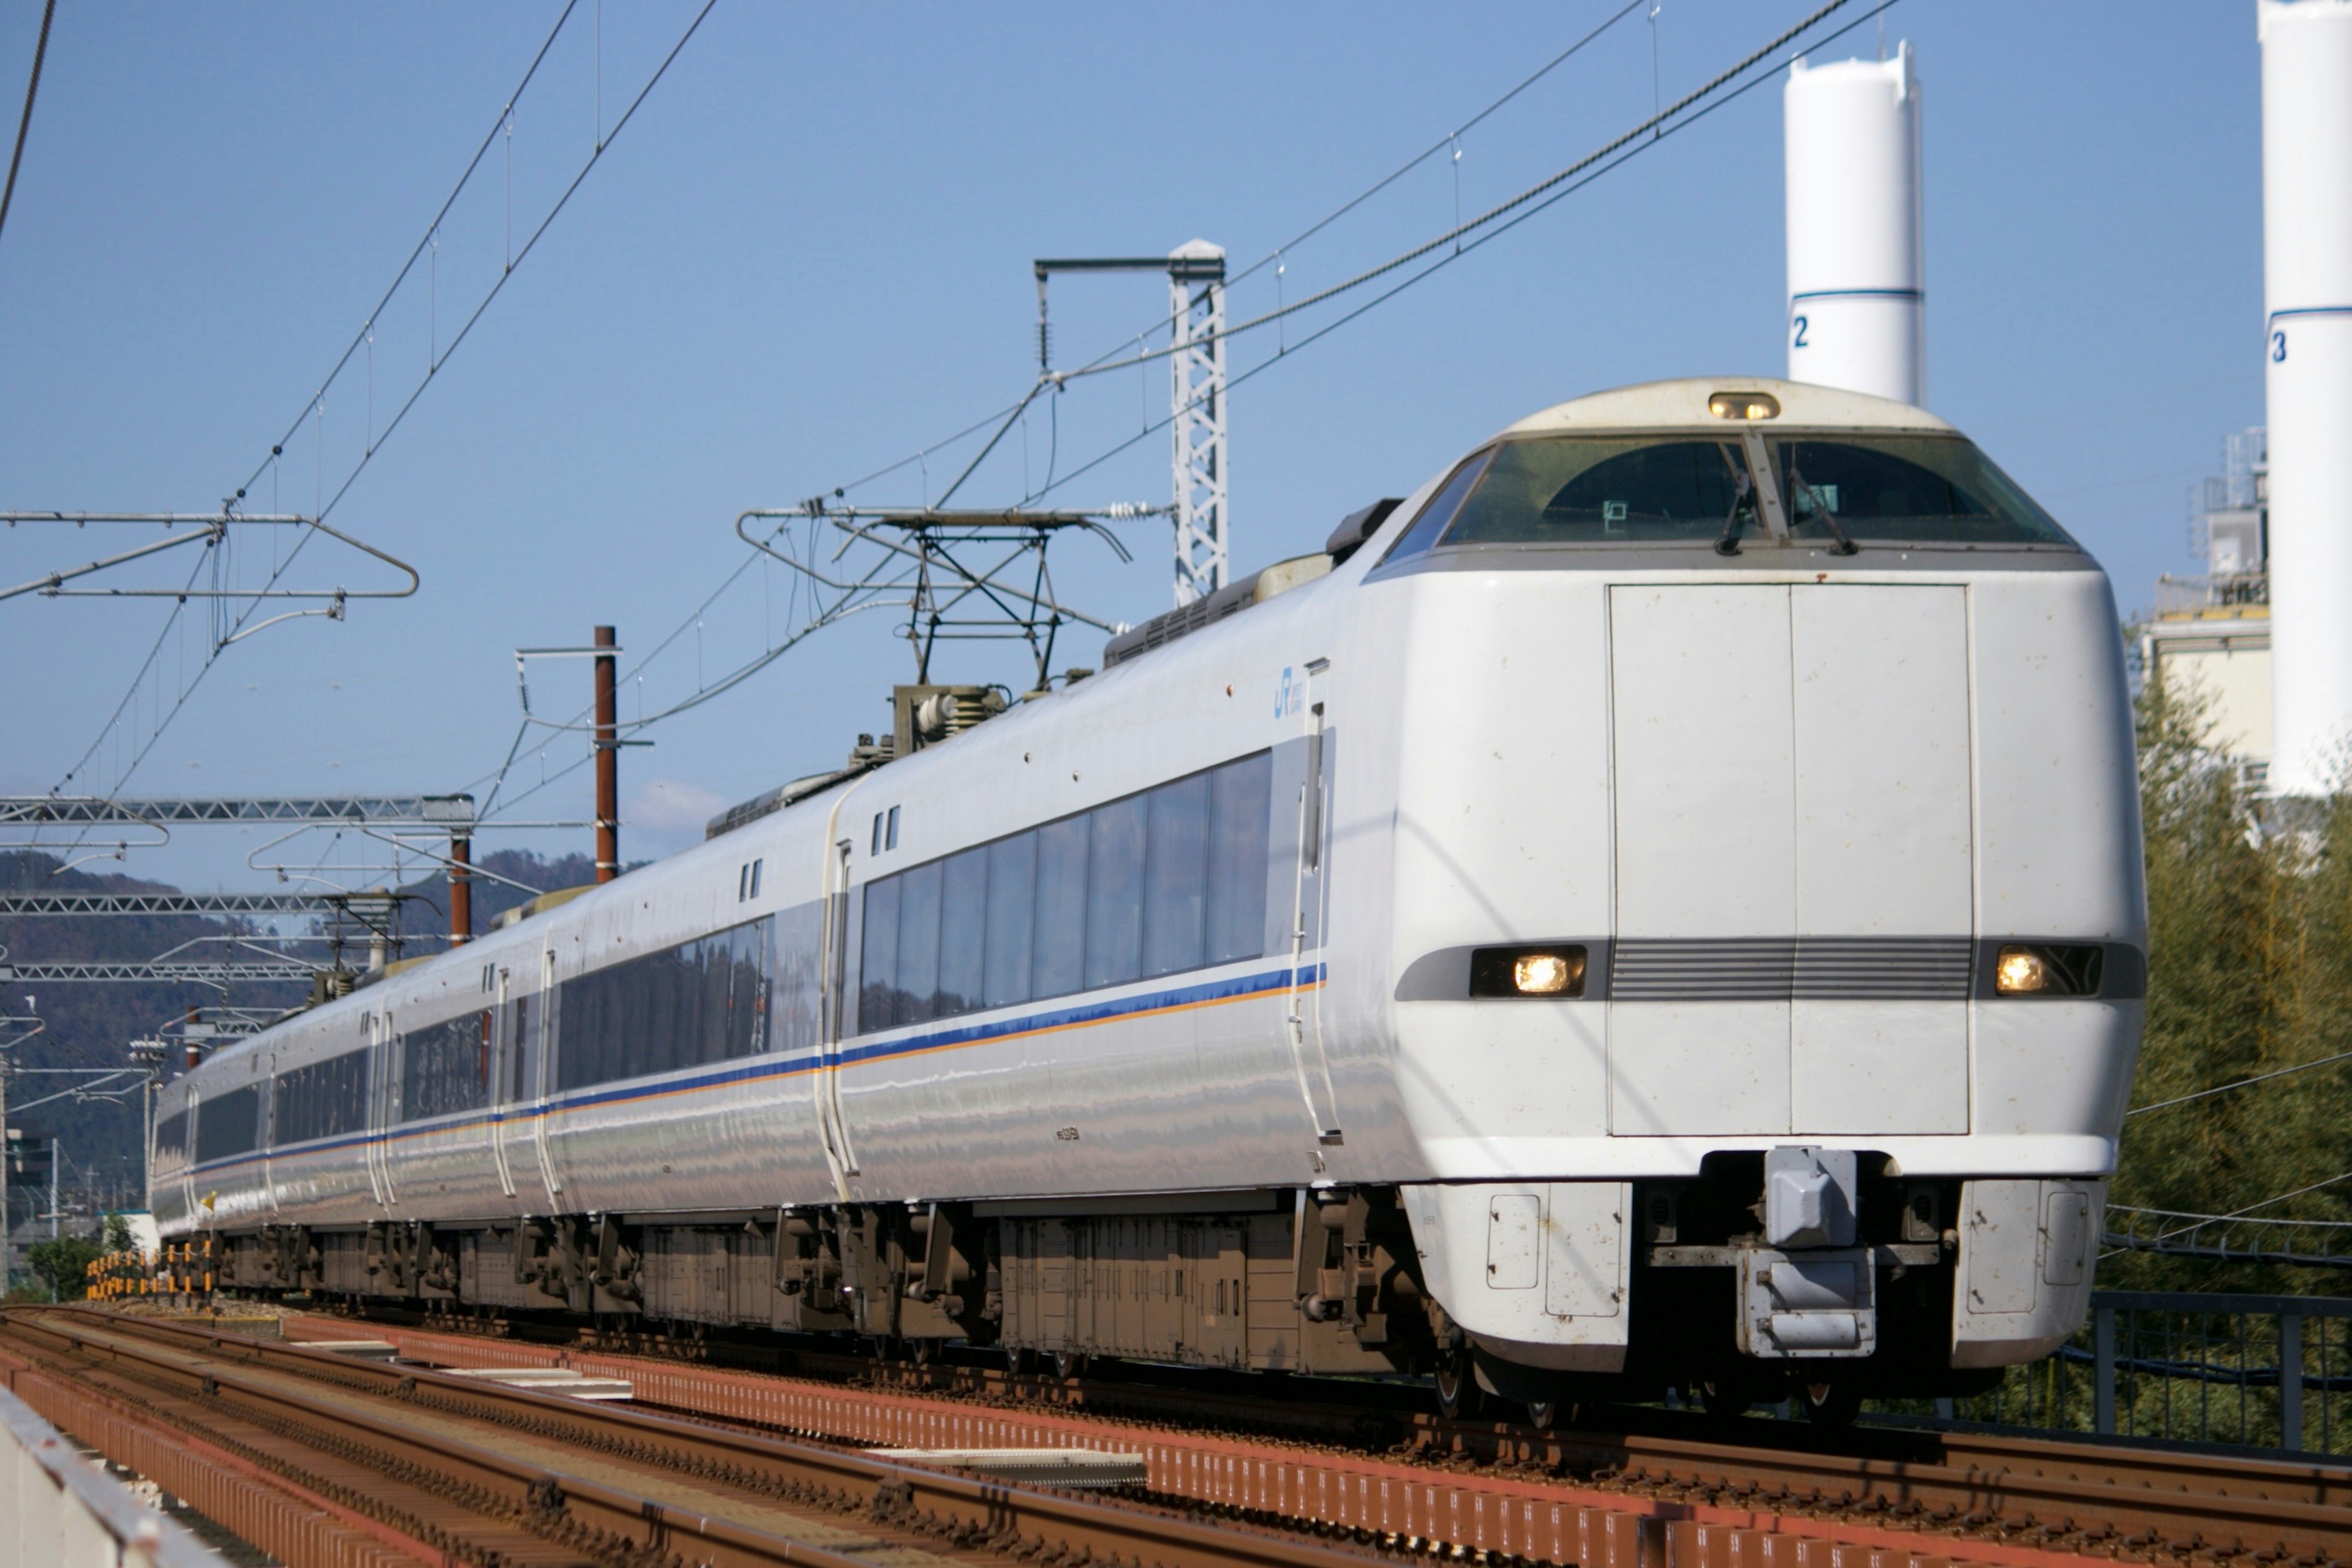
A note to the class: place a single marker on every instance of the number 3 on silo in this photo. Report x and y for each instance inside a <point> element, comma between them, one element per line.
<point>2278,348</point>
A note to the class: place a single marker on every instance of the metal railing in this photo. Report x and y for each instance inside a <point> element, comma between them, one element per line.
<point>2263,1372</point>
<point>60,1510</point>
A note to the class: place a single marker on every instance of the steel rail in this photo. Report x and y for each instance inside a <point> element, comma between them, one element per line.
<point>904,1500</point>
<point>2067,1497</point>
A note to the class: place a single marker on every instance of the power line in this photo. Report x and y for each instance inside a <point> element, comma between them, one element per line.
<point>25,125</point>
<point>437,358</point>
<point>1685,112</point>
<point>2240,1083</point>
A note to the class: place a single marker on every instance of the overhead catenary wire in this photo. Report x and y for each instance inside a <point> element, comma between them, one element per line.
<point>2240,1083</point>
<point>24,123</point>
<point>1627,148</point>
<point>1687,111</point>
<point>225,635</point>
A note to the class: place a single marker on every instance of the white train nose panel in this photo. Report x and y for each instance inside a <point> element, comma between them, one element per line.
<point>1790,762</point>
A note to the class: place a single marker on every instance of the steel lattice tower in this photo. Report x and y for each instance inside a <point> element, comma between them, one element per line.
<point>1196,308</point>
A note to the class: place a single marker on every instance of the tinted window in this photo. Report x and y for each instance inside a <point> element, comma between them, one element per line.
<point>878,966</point>
<point>1114,893</point>
<point>1591,490</point>
<point>1011,898</point>
<point>446,1069</point>
<point>1156,883</point>
<point>323,1099</point>
<point>1602,489</point>
<point>229,1123</point>
<point>1927,489</point>
<point>796,996</point>
<point>701,1002</point>
<point>963,929</point>
<point>1432,518</point>
<point>172,1137</point>
<point>1239,797</point>
<point>918,943</point>
<point>1061,907</point>
<point>1176,876</point>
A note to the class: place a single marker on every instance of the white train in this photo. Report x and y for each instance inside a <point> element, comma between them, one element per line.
<point>1662,905</point>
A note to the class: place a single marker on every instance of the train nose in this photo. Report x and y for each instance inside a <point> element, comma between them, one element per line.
<point>1794,859</point>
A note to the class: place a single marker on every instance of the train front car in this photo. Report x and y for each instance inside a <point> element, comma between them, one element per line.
<point>1766,903</point>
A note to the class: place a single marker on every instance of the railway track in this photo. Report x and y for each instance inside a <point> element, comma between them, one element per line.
<point>1669,1496</point>
<point>376,1465</point>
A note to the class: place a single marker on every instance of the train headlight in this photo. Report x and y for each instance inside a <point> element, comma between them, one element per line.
<point>2048,969</point>
<point>1551,970</point>
<point>1541,974</point>
<point>2021,971</point>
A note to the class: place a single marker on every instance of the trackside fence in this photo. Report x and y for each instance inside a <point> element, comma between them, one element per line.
<point>2262,1372</point>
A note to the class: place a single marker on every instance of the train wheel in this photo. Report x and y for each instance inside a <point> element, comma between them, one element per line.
<point>1542,1413</point>
<point>1831,1404</point>
<point>925,1350</point>
<point>1457,1387</point>
<point>1068,1364</point>
<point>1019,1360</point>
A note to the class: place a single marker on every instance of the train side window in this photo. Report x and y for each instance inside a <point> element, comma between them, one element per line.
<point>445,1067</point>
<point>323,1099</point>
<point>1176,876</point>
<point>1241,798</point>
<point>795,955</point>
<point>756,867</point>
<point>1061,927</point>
<point>963,927</point>
<point>171,1139</point>
<point>742,883</point>
<point>229,1123</point>
<point>1012,907</point>
<point>1114,893</point>
<point>878,967</point>
<point>890,833</point>
<point>876,849</point>
<point>1433,518</point>
<point>918,943</point>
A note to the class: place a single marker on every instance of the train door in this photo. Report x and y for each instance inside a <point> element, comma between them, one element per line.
<point>1310,909</point>
<point>542,1077</point>
<point>383,1108</point>
<point>504,1069</point>
<point>833,1127</point>
<point>188,1156</point>
<point>265,1126</point>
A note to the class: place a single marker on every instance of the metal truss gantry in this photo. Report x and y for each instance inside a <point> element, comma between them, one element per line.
<point>16,902</point>
<point>197,973</point>
<point>448,812</point>
<point>1196,314</point>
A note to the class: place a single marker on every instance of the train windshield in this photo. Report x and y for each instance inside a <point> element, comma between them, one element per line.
<point>1609,490</point>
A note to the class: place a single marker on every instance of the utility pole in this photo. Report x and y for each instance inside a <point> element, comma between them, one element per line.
<point>1196,415</point>
<point>461,890</point>
<point>608,761</point>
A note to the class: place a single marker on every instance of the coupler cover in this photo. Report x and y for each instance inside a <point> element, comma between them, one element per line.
<point>1822,1303</point>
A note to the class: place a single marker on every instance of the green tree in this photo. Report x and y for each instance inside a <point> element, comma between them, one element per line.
<point>63,1265</point>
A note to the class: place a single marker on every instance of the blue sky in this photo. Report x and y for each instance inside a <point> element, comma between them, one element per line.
<point>808,255</point>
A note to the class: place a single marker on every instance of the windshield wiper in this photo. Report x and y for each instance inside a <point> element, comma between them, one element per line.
<point>1728,542</point>
<point>1845,544</point>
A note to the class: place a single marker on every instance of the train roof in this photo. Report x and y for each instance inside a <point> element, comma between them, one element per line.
<point>1683,404</point>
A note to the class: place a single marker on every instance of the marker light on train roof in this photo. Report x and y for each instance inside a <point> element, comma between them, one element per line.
<point>1744,406</point>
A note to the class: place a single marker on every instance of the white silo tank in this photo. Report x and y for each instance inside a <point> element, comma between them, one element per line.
<point>1857,310</point>
<point>2308,354</point>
